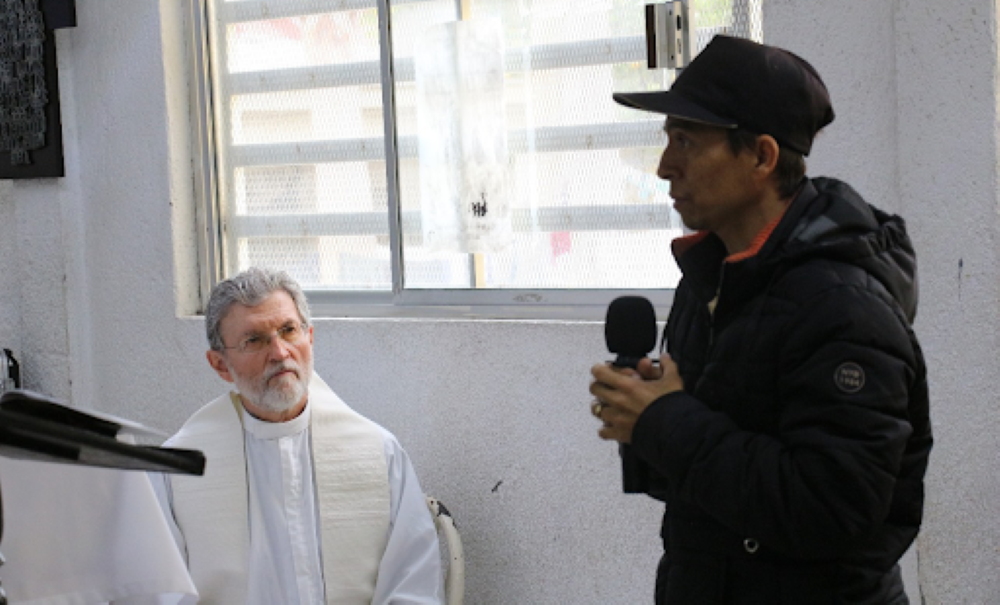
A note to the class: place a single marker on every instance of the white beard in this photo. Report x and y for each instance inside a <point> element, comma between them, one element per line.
<point>280,398</point>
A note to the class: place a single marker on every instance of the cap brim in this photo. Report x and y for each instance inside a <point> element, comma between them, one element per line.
<point>671,104</point>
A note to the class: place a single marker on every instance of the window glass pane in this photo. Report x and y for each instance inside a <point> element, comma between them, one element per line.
<point>301,141</point>
<point>583,205</point>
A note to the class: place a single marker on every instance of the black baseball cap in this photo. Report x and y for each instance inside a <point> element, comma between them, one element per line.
<point>739,83</point>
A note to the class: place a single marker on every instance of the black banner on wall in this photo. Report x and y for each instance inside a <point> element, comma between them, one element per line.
<point>46,161</point>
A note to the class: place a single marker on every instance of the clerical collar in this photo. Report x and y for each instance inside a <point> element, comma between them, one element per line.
<point>261,429</point>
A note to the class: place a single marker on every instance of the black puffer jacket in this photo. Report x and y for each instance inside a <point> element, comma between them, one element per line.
<point>792,465</point>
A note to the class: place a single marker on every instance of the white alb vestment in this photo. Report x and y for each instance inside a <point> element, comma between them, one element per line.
<point>323,508</point>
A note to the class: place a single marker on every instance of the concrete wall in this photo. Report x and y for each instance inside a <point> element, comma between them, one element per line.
<point>95,267</point>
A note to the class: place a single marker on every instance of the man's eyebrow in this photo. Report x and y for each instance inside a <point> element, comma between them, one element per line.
<point>256,332</point>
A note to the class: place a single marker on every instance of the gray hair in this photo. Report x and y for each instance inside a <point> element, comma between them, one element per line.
<point>249,288</point>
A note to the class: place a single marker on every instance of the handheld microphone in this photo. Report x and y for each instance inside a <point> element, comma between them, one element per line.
<point>630,330</point>
<point>630,333</point>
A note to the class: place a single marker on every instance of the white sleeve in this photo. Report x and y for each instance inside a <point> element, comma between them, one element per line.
<point>165,498</point>
<point>161,488</point>
<point>410,572</point>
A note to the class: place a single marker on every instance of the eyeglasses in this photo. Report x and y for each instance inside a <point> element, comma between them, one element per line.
<point>255,343</point>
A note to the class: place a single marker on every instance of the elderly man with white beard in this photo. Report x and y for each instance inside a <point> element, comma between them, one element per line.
<point>303,500</point>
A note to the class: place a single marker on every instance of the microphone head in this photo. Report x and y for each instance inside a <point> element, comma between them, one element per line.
<point>630,326</point>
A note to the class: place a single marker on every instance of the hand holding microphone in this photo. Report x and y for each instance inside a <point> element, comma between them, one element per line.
<point>626,386</point>
<point>622,394</point>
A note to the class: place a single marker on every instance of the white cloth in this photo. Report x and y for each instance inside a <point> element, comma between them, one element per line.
<point>350,473</point>
<point>285,554</point>
<point>281,482</point>
<point>76,535</point>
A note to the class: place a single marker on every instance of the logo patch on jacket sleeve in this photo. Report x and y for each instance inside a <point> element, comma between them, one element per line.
<point>849,377</point>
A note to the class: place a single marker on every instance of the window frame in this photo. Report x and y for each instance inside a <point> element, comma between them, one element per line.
<point>399,302</point>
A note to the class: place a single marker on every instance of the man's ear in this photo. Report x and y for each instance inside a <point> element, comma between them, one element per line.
<point>767,155</point>
<point>218,363</point>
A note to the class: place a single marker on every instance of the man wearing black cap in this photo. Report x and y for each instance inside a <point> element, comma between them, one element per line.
<point>787,425</point>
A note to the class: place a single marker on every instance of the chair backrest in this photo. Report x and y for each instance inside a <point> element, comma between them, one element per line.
<point>454,578</point>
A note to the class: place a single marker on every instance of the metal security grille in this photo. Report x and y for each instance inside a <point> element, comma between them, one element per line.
<point>320,146</point>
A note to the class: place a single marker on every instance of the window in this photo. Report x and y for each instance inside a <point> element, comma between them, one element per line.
<point>395,155</point>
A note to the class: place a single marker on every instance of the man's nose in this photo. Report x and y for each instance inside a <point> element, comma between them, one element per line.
<point>666,169</point>
<point>278,348</point>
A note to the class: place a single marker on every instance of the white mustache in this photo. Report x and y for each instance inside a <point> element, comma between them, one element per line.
<point>293,367</point>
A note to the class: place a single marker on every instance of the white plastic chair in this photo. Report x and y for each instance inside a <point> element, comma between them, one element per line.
<point>454,578</point>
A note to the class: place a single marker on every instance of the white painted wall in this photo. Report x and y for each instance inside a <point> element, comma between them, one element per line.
<point>94,268</point>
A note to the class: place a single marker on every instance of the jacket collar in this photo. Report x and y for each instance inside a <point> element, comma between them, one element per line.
<point>701,255</point>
